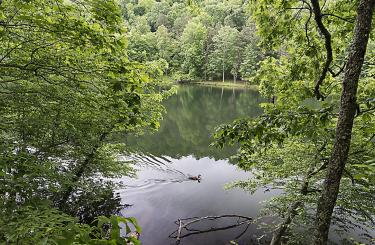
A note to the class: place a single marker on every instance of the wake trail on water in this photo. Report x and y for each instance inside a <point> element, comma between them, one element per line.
<point>158,163</point>
<point>149,160</point>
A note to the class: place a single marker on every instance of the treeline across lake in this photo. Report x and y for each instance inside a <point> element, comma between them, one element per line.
<point>194,40</point>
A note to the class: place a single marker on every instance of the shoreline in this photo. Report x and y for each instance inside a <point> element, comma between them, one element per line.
<point>220,84</point>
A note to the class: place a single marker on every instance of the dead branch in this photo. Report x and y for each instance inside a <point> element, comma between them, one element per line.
<point>179,231</point>
<point>185,225</point>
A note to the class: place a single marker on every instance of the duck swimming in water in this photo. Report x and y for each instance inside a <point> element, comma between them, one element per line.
<point>195,177</point>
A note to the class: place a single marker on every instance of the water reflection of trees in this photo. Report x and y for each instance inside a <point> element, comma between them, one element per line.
<point>192,115</point>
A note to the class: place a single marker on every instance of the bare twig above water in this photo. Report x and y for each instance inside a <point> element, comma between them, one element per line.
<point>186,223</point>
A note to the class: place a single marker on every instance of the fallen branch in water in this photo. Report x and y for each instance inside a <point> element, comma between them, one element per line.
<point>183,224</point>
<point>179,232</point>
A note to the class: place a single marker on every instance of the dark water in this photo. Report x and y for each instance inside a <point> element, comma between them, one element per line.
<point>162,194</point>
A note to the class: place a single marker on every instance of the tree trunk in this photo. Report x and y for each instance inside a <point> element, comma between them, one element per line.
<point>206,62</point>
<point>80,170</point>
<point>278,234</point>
<point>223,72</point>
<point>277,237</point>
<point>221,96</point>
<point>344,126</point>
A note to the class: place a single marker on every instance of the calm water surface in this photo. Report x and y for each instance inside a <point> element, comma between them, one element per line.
<point>162,194</point>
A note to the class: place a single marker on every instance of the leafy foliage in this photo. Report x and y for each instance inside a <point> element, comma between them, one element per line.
<point>43,225</point>
<point>289,145</point>
<point>67,86</point>
<point>197,39</point>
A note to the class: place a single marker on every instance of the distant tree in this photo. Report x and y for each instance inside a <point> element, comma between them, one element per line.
<point>251,53</point>
<point>158,15</point>
<point>193,43</point>
<point>142,47</point>
<point>226,52</point>
<point>166,45</point>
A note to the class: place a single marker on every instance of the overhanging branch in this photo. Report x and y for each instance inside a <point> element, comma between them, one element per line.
<point>328,45</point>
<point>339,17</point>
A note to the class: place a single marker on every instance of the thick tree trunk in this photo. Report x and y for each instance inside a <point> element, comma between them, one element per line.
<point>344,126</point>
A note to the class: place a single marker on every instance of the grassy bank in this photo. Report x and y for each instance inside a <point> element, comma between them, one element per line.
<point>226,84</point>
<point>217,83</point>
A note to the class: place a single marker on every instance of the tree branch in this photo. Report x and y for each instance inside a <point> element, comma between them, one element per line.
<point>278,234</point>
<point>328,45</point>
<point>339,17</point>
<point>178,234</point>
<point>304,190</point>
<point>338,73</point>
<point>81,167</point>
<point>351,177</point>
<point>360,112</point>
<point>306,27</point>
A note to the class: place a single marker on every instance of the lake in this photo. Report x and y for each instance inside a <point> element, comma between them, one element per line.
<point>162,193</point>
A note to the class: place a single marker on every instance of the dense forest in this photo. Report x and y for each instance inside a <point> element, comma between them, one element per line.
<point>79,79</point>
<point>200,40</point>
